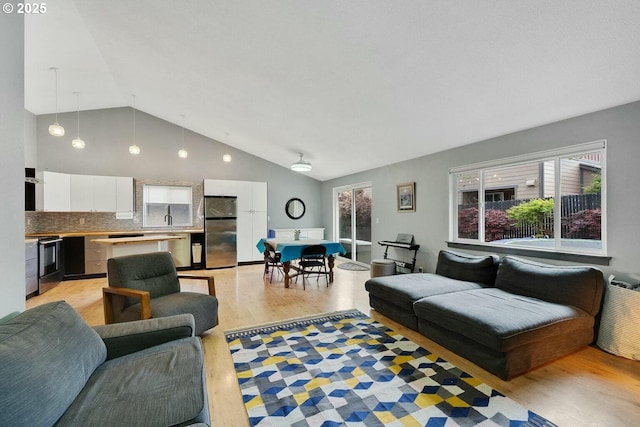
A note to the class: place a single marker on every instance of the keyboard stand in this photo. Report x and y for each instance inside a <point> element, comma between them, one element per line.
<point>407,246</point>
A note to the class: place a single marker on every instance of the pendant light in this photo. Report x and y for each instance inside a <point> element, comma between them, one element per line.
<point>301,165</point>
<point>182,153</point>
<point>227,157</point>
<point>78,143</point>
<point>56,129</point>
<point>134,149</point>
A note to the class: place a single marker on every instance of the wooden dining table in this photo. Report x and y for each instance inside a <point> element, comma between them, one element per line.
<point>292,249</point>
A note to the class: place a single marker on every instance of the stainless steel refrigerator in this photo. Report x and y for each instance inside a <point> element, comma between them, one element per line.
<point>220,223</point>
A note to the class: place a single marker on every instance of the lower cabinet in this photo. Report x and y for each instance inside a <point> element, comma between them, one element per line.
<point>73,254</point>
<point>95,256</point>
<point>31,268</point>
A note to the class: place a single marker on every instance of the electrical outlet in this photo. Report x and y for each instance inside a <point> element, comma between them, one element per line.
<point>419,269</point>
<point>81,221</point>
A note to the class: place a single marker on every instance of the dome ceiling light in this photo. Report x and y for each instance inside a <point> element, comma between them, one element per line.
<point>301,165</point>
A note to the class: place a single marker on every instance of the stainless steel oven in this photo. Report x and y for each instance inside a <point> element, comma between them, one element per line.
<point>49,263</point>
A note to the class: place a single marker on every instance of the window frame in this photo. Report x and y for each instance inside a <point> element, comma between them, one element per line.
<point>170,195</point>
<point>555,155</point>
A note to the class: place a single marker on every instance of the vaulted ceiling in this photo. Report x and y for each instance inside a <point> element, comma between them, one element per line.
<point>351,84</point>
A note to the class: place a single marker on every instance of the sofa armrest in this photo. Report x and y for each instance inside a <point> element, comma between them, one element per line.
<point>129,337</point>
<point>107,301</point>
<point>210,280</point>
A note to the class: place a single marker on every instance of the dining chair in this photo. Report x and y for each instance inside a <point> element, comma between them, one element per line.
<point>272,261</point>
<point>313,261</point>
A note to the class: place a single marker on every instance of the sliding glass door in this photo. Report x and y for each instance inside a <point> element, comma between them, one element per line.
<point>353,220</point>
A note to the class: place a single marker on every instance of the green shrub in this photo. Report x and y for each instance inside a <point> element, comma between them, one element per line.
<point>533,212</point>
<point>595,187</point>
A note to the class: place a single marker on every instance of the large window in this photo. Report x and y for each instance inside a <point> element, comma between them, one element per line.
<point>167,206</point>
<point>548,201</point>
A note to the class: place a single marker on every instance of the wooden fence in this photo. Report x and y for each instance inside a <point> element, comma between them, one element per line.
<point>569,205</point>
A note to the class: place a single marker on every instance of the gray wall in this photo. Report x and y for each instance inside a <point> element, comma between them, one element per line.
<point>620,126</point>
<point>108,134</point>
<point>12,291</point>
<point>30,140</point>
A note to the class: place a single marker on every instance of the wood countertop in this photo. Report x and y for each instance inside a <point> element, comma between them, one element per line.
<point>115,233</point>
<point>138,239</point>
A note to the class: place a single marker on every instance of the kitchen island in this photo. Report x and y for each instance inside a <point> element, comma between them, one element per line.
<point>121,246</point>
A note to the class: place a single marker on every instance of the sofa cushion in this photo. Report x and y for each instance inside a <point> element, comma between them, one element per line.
<point>404,289</point>
<point>478,269</point>
<point>580,286</point>
<point>204,308</point>
<point>501,320</point>
<point>159,386</point>
<point>48,353</point>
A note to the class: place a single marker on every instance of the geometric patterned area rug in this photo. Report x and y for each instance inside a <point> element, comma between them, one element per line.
<point>345,368</point>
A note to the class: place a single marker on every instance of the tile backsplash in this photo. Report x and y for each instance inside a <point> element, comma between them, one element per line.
<point>70,222</point>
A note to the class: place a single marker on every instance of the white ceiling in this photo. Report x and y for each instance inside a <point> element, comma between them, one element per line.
<point>351,84</point>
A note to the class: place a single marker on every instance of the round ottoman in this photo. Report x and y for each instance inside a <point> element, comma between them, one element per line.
<point>383,267</point>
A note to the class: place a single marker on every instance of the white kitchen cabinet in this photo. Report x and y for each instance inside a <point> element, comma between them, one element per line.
<point>220,187</point>
<point>104,194</point>
<point>252,196</point>
<point>91,193</point>
<point>252,226</point>
<point>81,193</point>
<point>124,194</point>
<point>87,193</point>
<point>57,191</point>
<point>252,219</point>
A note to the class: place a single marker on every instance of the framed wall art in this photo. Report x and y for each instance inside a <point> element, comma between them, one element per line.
<point>407,197</point>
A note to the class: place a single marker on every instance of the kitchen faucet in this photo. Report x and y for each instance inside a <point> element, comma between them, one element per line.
<point>168,218</point>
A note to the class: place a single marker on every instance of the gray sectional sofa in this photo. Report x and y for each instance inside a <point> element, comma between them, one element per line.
<point>56,370</point>
<point>508,317</point>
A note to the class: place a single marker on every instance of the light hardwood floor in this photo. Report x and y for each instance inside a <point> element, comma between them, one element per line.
<point>587,388</point>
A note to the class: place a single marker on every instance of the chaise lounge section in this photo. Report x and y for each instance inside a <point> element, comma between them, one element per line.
<point>394,296</point>
<point>533,313</point>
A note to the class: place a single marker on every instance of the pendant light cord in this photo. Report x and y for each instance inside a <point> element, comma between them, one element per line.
<point>134,119</point>
<point>55,70</point>
<point>182,145</point>
<point>78,96</point>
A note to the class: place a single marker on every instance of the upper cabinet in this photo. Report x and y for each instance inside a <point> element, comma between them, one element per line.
<point>57,191</point>
<point>87,193</point>
<point>252,196</point>
<point>91,193</point>
<point>220,187</point>
<point>125,194</point>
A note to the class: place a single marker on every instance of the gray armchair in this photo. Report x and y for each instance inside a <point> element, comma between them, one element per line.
<point>147,285</point>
